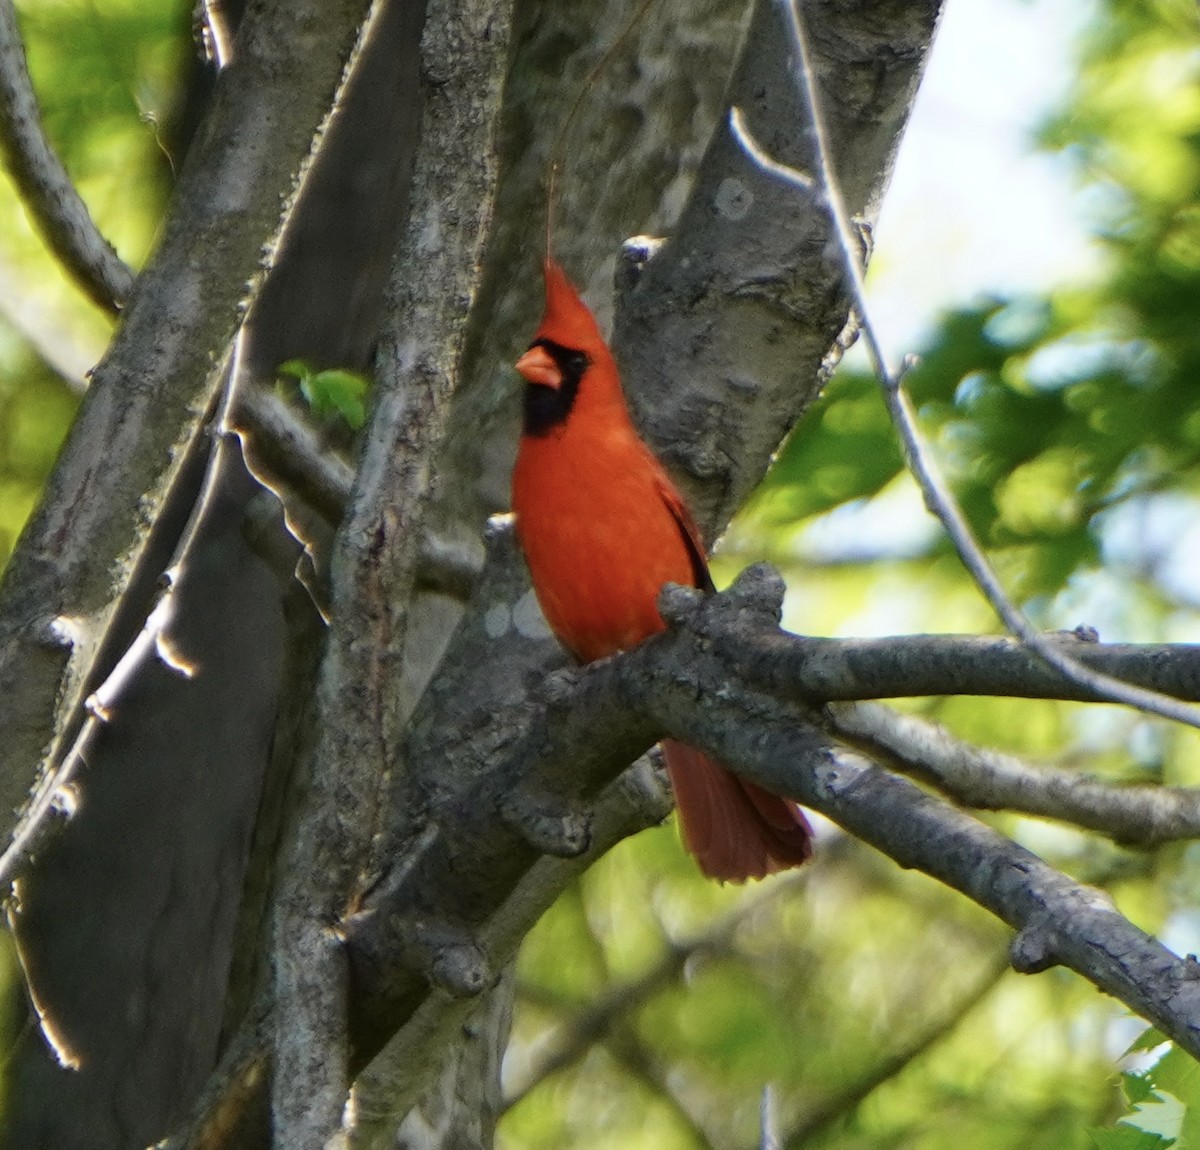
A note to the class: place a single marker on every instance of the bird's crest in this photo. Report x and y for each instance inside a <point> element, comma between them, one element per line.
<point>567,320</point>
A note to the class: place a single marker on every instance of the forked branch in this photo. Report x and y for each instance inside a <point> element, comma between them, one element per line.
<point>823,183</point>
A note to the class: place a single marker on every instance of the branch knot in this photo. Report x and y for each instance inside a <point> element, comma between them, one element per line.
<point>759,589</point>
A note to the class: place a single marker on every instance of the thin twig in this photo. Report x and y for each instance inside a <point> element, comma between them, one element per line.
<point>54,791</point>
<point>54,206</point>
<point>218,37</point>
<point>937,495</point>
<point>575,1037</point>
<point>991,780</point>
<point>852,1095</point>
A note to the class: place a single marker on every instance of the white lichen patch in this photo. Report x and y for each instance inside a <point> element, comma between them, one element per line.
<point>497,620</point>
<point>528,619</point>
<point>733,199</point>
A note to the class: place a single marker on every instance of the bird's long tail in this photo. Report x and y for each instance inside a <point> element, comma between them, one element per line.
<point>735,830</point>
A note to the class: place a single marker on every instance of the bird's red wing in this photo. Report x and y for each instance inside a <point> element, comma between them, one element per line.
<point>687,530</point>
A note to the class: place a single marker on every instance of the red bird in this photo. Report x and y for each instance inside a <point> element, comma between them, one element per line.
<point>603,528</point>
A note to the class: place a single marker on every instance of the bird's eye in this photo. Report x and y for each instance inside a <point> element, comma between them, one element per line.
<point>576,364</point>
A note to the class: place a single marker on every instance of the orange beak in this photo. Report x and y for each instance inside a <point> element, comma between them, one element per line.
<point>537,366</point>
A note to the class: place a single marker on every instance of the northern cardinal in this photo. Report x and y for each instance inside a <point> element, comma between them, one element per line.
<point>603,528</point>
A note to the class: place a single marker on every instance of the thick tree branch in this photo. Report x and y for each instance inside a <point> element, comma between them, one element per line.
<point>912,666</point>
<point>819,670</point>
<point>396,1077</point>
<point>55,207</point>
<point>148,396</point>
<point>476,846</point>
<point>746,299</point>
<point>283,441</point>
<point>991,780</point>
<point>1058,921</point>
<point>359,712</point>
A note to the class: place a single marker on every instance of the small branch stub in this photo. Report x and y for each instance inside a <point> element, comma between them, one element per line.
<point>1033,949</point>
<point>677,605</point>
<point>760,589</point>
<point>546,825</point>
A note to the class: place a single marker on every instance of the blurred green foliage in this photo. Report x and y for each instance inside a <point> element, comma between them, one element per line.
<point>1050,414</point>
<point>873,1002</point>
<point>107,78</point>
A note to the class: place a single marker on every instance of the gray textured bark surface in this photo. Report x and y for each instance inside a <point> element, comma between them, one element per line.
<point>749,293</point>
<point>359,713</point>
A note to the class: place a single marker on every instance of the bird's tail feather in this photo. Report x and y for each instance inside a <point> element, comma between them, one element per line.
<point>735,830</point>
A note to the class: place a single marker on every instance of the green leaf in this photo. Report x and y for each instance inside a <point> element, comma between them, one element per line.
<point>294,369</point>
<point>1137,1087</point>
<point>1147,1040</point>
<point>1127,1138</point>
<point>334,391</point>
<point>342,391</point>
<point>1162,1114</point>
<point>1177,1075</point>
<point>845,449</point>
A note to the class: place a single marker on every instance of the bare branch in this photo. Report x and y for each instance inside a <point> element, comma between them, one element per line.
<point>638,799</point>
<point>688,686</point>
<point>1058,921</point>
<point>54,205</point>
<point>360,713</point>
<point>821,670</point>
<point>990,780</point>
<point>724,338</point>
<point>577,1035</point>
<point>820,1117</point>
<point>293,450</point>
<point>937,495</point>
